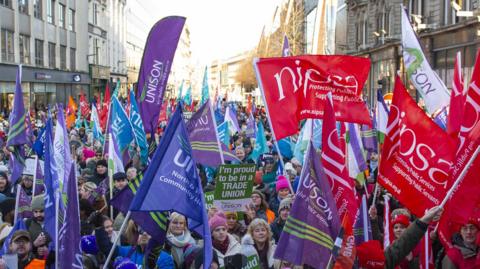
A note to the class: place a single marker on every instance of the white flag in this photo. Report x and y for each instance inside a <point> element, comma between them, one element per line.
<point>426,81</point>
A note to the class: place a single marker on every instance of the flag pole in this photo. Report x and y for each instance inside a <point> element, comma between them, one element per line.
<point>35,175</point>
<point>216,131</point>
<point>110,254</point>
<point>260,85</point>
<point>17,199</point>
<point>460,178</point>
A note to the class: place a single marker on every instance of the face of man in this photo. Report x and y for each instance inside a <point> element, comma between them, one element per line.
<point>469,233</point>
<point>21,246</point>
<point>131,173</point>
<point>38,215</point>
<point>120,183</point>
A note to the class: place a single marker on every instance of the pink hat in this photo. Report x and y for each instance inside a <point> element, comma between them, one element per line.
<point>217,220</point>
<point>282,183</point>
<point>88,153</point>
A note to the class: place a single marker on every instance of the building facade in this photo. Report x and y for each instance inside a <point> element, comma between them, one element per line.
<point>374,31</point>
<point>106,44</point>
<point>183,69</point>
<point>47,38</point>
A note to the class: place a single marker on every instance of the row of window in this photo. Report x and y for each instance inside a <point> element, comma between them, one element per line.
<point>37,12</point>
<point>8,54</point>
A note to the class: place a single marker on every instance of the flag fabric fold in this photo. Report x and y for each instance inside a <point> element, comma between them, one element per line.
<point>138,130</point>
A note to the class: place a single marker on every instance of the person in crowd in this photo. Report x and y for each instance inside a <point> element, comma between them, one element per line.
<point>260,207</point>
<point>279,222</point>
<point>131,173</point>
<point>36,223</point>
<point>91,256</point>
<point>282,190</point>
<point>198,263</point>
<point>138,240</point>
<point>7,207</point>
<point>234,226</point>
<point>100,173</point>
<point>108,227</point>
<point>258,242</point>
<point>5,187</point>
<point>42,252</point>
<point>27,185</point>
<point>21,245</point>
<point>179,241</point>
<point>269,174</point>
<point>465,251</point>
<point>291,172</point>
<point>224,244</point>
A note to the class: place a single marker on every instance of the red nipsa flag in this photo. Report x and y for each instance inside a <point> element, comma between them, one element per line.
<point>295,88</point>
<point>333,160</point>
<point>457,99</point>
<point>416,156</point>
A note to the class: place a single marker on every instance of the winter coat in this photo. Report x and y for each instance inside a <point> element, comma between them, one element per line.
<point>400,248</point>
<point>178,245</point>
<point>274,203</point>
<point>277,228</point>
<point>238,231</point>
<point>248,250</point>
<point>135,254</point>
<point>233,248</point>
<point>34,229</point>
<point>461,256</point>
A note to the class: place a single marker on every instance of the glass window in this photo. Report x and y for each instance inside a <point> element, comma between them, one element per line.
<point>63,57</point>
<point>50,11</point>
<point>37,9</point>
<point>71,20</point>
<point>8,54</point>
<point>95,11</point>
<point>24,45</point>
<point>7,3</point>
<point>73,59</point>
<point>38,52</point>
<point>23,6</point>
<point>51,55</point>
<point>61,15</point>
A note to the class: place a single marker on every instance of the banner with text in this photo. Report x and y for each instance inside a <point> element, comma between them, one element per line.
<point>295,88</point>
<point>234,186</point>
<point>416,156</point>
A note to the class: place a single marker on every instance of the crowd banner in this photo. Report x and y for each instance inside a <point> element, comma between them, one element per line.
<point>294,88</point>
<point>425,80</point>
<point>234,186</point>
<point>155,68</point>
<point>416,156</point>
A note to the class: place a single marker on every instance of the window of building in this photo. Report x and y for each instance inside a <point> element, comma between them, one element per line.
<point>38,52</point>
<point>37,9</point>
<point>95,11</point>
<point>50,11</point>
<point>71,19</point>
<point>61,15</point>
<point>7,3</point>
<point>63,57</point>
<point>51,55</point>
<point>73,61</point>
<point>23,6</point>
<point>96,51</point>
<point>24,46</point>
<point>8,53</point>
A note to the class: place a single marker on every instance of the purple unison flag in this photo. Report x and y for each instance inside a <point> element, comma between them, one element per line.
<point>369,138</point>
<point>15,165</point>
<point>17,134</point>
<point>286,47</point>
<point>362,223</point>
<point>69,234</point>
<point>156,63</point>
<point>310,230</point>
<point>154,222</point>
<point>357,149</point>
<point>50,212</point>
<point>24,202</point>
<point>203,136</point>
<point>39,179</point>
<point>171,182</point>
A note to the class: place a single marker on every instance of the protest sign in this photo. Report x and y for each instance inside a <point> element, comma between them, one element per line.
<point>234,187</point>
<point>209,197</point>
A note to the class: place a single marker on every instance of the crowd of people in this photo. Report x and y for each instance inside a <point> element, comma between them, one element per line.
<point>245,239</point>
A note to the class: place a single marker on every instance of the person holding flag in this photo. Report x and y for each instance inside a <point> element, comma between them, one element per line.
<point>465,253</point>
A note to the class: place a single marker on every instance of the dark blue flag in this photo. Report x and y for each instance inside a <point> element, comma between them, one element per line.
<point>50,213</point>
<point>38,145</point>
<point>171,182</point>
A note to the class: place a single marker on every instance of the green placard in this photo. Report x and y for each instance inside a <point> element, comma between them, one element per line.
<point>209,197</point>
<point>234,185</point>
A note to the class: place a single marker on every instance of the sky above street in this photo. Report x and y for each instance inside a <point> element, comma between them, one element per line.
<point>219,28</point>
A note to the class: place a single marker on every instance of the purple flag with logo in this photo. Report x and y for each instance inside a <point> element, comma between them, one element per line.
<point>171,182</point>
<point>369,138</point>
<point>69,234</point>
<point>310,230</point>
<point>156,63</point>
<point>202,133</point>
<point>24,201</point>
<point>17,134</point>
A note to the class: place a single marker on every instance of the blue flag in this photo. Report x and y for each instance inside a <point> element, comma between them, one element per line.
<point>171,182</point>
<point>19,225</point>
<point>121,126</point>
<point>187,99</point>
<point>224,133</point>
<point>139,131</point>
<point>69,234</point>
<point>180,92</point>
<point>50,213</point>
<point>260,143</point>
<point>205,95</point>
<point>38,145</point>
